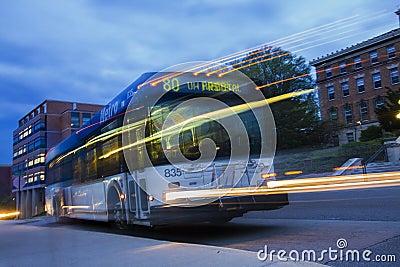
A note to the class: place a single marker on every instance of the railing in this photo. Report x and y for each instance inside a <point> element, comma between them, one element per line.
<point>383,148</point>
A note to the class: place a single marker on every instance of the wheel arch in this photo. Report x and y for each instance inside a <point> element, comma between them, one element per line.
<point>114,193</point>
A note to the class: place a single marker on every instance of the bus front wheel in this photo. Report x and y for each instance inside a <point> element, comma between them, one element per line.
<point>116,214</point>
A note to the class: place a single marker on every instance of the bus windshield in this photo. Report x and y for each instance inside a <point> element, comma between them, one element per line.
<point>190,137</point>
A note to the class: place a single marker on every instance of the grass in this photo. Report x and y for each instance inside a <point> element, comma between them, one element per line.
<point>310,161</point>
<point>322,160</point>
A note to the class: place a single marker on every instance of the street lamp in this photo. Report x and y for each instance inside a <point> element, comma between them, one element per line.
<point>355,130</point>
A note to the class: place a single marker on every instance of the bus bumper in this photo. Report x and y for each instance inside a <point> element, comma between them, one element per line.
<point>221,210</point>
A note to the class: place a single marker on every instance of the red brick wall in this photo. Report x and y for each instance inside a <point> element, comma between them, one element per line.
<point>354,98</point>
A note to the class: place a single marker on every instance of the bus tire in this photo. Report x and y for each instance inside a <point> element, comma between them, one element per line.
<point>116,213</point>
<point>56,206</point>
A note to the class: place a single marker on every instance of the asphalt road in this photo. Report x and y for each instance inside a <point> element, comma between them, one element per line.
<point>366,219</point>
<point>377,204</point>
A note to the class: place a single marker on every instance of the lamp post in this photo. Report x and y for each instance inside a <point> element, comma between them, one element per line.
<point>355,130</point>
<point>19,192</point>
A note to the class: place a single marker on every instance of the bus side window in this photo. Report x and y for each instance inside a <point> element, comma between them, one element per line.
<point>53,173</point>
<point>189,147</point>
<point>66,168</point>
<point>91,164</point>
<point>110,165</point>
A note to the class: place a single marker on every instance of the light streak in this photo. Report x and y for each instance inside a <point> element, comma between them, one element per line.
<point>200,119</point>
<point>271,47</point>
<point>285,54</point>
<point>281,41</point>
<point>336,25</point>
<point>316,72</point>
<point>172,130</point>
<point>156,247</point>
<point>296,37</point>
<point>348,168</point>
<point>321,184</point>
<point>293,172</point>
<point>229,58</point>
<point>9,215</point>
<point>268,175</point>
<point>101,137</point>
<point>76,207</point>
<point>224,60</point>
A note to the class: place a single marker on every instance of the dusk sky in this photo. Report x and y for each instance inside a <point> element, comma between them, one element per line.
<point>88,51</point>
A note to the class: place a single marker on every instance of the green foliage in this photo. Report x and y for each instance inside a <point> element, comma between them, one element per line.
<point>360,149</point>
<point>280,72</point>
<point>7,204</point>
<point>327,128</point>
<point>371,133</point>
<point>387,113</point>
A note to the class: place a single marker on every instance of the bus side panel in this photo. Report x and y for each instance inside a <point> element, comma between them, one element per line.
<point>88,201</point>
<point>99,202</point>
<point>50,193</point>
<point>82,202</point>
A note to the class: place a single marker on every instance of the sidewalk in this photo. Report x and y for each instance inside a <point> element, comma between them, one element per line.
<point>25,243</point>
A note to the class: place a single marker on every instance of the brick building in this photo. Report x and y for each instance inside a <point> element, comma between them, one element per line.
<point>38,131</point>
<point>352,82</point>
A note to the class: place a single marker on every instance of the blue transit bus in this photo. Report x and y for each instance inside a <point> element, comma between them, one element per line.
<point>159,153</point>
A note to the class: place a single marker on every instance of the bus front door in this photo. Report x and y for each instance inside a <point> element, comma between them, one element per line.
<point>138,200</point>
<point>137,182</point>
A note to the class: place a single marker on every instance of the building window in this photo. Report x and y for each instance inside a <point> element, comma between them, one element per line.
<point>379,102</point>
<point>39,143</point>
<point>391,51</point>
<point>350,136</point>
<point>394,76</point>
<point>373,57</point>
<point>342,67</point>
<point>364,110</point>
<point>360,85</point>
<point>345,89</point>
<point>376,79</point>
<point>333,114</point>
<point>85,118</point>
<point>75,120</point>
<point>348,113</point>
<point>328,72</point>
<point>357,63</point>
<point>331,93</point>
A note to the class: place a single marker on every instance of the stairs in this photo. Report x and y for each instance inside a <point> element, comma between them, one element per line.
<point>374,167</point>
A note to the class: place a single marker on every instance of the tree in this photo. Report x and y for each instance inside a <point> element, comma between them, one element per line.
<point>327,129</point>
<point>371,133</point>
<point>278,72</point>
<point>387,112</point>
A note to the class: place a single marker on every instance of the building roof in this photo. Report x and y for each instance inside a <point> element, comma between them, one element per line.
<point>359,46</point>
